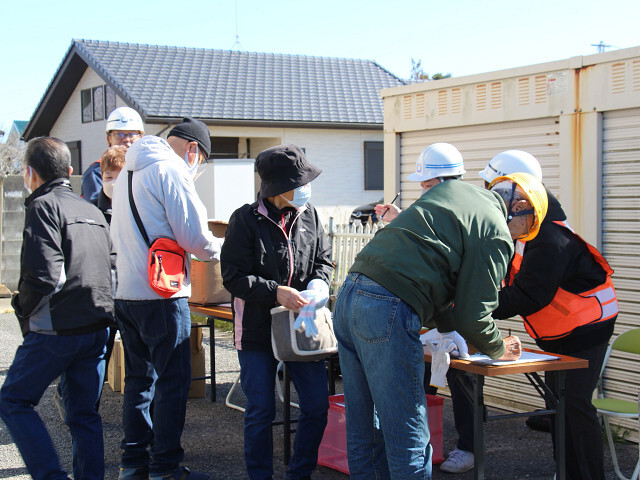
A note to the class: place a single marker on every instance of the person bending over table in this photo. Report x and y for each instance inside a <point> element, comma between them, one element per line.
<point>450,246</point>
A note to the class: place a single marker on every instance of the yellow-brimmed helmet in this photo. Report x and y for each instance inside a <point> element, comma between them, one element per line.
<point>536,195</point>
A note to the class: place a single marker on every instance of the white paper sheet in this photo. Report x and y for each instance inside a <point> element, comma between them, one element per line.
<point>526,357</point>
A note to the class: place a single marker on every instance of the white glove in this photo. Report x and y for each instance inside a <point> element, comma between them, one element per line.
<point>461,350</point>
<point>307,316</point>
<point>440,361</point>
<point>317,293</point>
<point>317,290</point>
<point>430,337</point>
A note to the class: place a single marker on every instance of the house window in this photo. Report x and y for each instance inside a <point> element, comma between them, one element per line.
<point>109,100</point>
<point>224,147</point>
<point>373,166</point>
<point>97,103</point>
<point>87,106</point>
<point>76,156</point>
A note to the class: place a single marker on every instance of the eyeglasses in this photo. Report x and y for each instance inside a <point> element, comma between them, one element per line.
<point>125,136</point>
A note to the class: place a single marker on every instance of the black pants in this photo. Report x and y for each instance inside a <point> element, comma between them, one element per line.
<point>461,388</point>
<point>583,450</point>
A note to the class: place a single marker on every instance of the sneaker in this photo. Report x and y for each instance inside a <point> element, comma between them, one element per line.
<point>57,400</point>
<point>183,473</point>
<point>458,461</point>
<point>134,473</point>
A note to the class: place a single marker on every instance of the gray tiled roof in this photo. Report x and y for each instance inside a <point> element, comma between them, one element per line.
<point>164,81</point>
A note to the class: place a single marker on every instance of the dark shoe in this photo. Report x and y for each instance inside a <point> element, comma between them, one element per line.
<point>541,423</point>
<point>134,473</point>
<point>183,473</point>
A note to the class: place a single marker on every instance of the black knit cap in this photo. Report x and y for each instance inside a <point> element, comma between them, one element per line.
<point>283,168</point>
<point>194,131</point>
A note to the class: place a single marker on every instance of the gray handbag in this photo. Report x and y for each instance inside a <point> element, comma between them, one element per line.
<point>292,345</point>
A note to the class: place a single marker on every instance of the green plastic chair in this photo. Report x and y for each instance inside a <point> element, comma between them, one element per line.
<point>627,342</point>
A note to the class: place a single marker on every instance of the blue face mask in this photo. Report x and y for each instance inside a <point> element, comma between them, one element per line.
<point>301,196</point>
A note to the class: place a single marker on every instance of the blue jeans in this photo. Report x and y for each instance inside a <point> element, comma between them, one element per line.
<point>258,380</point>
<point>79,361</point>
<point>157,359</point>
<point>382,364</point>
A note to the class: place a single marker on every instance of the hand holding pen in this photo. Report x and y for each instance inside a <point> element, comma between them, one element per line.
<point>388,211</point>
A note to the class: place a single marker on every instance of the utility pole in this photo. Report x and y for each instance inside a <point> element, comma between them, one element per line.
<point>601,46</point>
<point>237,42</point>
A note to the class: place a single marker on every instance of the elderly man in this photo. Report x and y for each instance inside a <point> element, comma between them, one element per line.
<point>64,305</point>
<point>562,288</point>
<point>450,246</point>
<point>124,126</point>
<point>155,329</point>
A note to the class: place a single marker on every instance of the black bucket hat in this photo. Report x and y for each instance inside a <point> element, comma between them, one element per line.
<point>283,168</point>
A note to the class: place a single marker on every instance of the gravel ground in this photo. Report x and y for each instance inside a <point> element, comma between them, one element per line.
<point>212,437</point>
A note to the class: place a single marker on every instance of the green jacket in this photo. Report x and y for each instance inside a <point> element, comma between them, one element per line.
<point>451,247</point>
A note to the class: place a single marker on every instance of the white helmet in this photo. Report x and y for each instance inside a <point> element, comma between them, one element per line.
<point>511,161</point>
<point>438,160</point>
<point>124,118</point>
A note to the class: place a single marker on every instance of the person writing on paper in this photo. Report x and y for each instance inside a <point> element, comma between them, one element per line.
<point>562,288</point>
<point>276,253</point>
<point>451,246</point>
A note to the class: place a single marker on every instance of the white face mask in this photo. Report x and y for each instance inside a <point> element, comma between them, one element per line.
<point>301,196</point>
<point>107,187</point>
<point>193,169</point>
<point>27,185</point>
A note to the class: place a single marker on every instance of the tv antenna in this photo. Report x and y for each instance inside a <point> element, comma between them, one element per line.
<point>601,46</point>
<point>237,45</point>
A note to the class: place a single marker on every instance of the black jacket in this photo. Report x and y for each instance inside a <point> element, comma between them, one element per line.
<point>67,264</point>
<point>104,204</point>
<point>555,258</point>
<point>255,260</point>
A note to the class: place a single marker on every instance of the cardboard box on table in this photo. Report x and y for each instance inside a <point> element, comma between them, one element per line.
<point>198,387</point>
<point>206,278</point>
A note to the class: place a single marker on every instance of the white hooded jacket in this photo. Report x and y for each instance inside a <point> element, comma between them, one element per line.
<point>169,206</point>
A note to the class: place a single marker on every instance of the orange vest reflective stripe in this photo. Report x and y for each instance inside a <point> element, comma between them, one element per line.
<point>568,311</point>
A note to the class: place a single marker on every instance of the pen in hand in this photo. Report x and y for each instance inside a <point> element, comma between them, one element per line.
<point>392,202</point>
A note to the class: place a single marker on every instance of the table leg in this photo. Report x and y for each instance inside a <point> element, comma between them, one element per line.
<point>212,356</point>
<point>478,425</point>
<point>286,423</point>
<point>559,381</point>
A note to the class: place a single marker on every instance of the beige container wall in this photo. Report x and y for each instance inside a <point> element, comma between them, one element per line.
<point>581,118</point>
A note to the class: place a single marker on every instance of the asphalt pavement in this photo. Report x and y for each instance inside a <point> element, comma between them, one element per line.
<point>213,441</point>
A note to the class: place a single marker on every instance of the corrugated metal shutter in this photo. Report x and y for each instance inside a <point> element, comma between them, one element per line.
<point>478,144</point>
<point>621,238</point>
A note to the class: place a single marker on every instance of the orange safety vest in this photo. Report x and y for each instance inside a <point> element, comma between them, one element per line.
<point>568,311</point>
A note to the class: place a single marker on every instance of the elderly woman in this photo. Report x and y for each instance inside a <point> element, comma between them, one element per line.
<point>276,253</point>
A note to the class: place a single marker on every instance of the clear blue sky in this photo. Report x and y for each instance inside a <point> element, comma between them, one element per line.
<point>460,37</point>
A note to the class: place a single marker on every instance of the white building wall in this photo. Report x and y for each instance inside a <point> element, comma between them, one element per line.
<point>339,153</point>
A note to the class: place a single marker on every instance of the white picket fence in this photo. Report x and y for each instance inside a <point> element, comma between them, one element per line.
<point>346,243</point>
